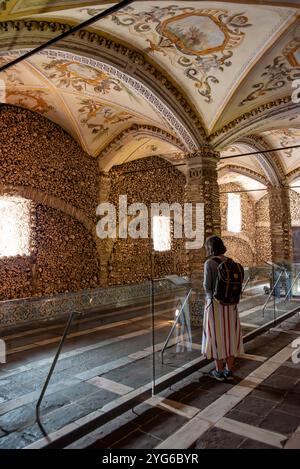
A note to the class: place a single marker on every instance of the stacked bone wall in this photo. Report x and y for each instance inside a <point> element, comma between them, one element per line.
<point>40,159</point>
<point>263,246</point>
<point>147,181</point>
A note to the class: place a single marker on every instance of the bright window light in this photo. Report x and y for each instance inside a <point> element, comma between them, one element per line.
<point>161,233</point>
<point>234,214</point>
<point>14,227</point>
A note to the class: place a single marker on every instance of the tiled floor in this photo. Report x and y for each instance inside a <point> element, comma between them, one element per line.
<point>267,417</point>
<point>102,362</point>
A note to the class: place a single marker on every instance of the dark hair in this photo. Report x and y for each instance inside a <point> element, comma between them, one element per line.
<point>214,246</point>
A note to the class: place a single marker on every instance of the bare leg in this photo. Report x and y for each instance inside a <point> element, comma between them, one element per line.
<point>219,365</point>
<point>230,363</point>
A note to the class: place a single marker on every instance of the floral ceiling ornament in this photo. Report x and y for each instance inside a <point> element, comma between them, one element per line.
<point>78,76</point>
<point>203,39</point>
<point>152,148</point>
<point>292,52</point>
<point>288,138</point>
<point>29,99</point>
<point>283,70</point>
<point>12,76</point>
<point>232,149</point>
<point>105,115</point>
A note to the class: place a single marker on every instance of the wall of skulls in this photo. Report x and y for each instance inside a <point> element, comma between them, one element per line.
<point>63,258</point>
<point>37,155</point>
<point>66,256</point>
<point>295,207</point>
<point>255,228</point>
<point>66,186</point>
<point>263,246</point>
<point>148,180</point>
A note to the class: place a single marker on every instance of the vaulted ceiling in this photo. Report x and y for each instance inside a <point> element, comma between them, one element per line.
<point>162,78</point>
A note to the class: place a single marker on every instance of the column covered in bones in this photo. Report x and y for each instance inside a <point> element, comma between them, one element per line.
<point>202,187</point>
<point>280,223</point>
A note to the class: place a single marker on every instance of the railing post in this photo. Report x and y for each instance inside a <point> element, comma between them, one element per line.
<point>67,328</point>
<point>271,292</point>
<point>174,325</point>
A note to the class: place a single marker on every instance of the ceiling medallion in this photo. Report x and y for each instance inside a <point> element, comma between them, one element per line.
<point>204,39</point>
<point>78,76</point>
<point>195,33</point>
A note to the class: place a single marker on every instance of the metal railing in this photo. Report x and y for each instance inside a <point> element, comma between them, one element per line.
<point>181,312</point>
<point>291,287</point>
<point>245,285</point>
<point>272,291</point>
<point>50,373</point>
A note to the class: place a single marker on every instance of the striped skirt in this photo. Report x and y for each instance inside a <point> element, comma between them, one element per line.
<point>222,334</point>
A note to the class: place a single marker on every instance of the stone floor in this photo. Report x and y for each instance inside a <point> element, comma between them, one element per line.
<point>103,361</point>
<point>261,409</point>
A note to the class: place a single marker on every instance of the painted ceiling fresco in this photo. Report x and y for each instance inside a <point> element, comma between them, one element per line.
<point>90,104</point>
<point>248,162</point>
<point>279,120</point>
<point>247,171</point>
<point>19,7</point>
<point>227,58</point>
<point>270,79</point>
<point>285,138</point>
<point>135,147</point>
<point>207,47</point>
<point>296,185</point>
<point>25,6</point>
<point>255,166</point>
<point>255,188</point>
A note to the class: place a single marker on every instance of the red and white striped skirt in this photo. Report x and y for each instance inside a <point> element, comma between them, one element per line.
<point>222,333</point>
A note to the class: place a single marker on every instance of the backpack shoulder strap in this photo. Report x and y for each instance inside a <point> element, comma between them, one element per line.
<point>217,260</point>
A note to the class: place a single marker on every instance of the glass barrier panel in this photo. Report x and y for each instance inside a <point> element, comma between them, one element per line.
<point>177,328</point>
<point>287,290</point>
<point>178,323</point>
<point>256,306</point>
<point>107,354</point>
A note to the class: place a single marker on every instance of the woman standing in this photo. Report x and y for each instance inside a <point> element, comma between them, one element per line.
<point>222,335</point>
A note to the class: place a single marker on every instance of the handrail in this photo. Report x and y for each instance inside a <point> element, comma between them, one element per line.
<point>245,285</point>
<point>174,325</point>
<point>46,383</point>
<point>271,292</point>
<point>292,286</point>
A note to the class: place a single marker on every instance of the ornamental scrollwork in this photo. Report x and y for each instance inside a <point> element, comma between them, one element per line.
<point>283,70</point>
<point>133,57</point>
<point>201,41</point>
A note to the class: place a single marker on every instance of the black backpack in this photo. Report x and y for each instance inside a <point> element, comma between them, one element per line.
<point>229,282</point>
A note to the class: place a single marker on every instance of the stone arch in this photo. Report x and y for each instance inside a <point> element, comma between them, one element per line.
<point>239,249</point>
<point>231,168</point>
<point>109,155</point>
<point>51,201</point>
<point>293,176</point>
<point>269,162</point>
<point>252,120</point>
